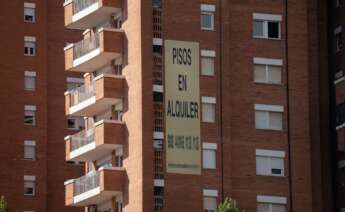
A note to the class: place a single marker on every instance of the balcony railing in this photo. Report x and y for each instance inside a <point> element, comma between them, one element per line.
<point>82,93</point>
<point>86,46</point>
<point>79,5</point>
<point>82,138</point>
<point>86,183</point>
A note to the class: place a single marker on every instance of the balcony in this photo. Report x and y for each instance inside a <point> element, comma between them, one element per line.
<point>95,187</point>
<point>96,97</point>
<point>94,52</point>
<point>91,144</point>
<point>84,14</point>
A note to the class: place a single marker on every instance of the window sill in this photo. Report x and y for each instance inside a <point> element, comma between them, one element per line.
<point>272,84</point>
<point>273,130</point>
<point>275,176</point>
<point>208,30</point>
<point>267,38</point>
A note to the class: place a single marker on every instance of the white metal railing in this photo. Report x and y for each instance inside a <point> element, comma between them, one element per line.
<point>79,5</point>
<point>86,46</point>
<point>86,183</point>
<point>82,93</point>
<point>82,138</point>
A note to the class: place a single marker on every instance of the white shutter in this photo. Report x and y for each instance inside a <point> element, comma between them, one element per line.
<point>209,159</point>
<point>263,166</point>
<point>277,163</point>
<point>263,207</point>
<point>274,74</point>
<point>261,119</point>
<point>29,152</point>
<point>278,208</point>
<point>260,73</point>
<point>207,66</point>
<point>30,83</point>
<point>275,120</point>
<point>258,28</point>
<point>208,112</point>
<point>210,204</point>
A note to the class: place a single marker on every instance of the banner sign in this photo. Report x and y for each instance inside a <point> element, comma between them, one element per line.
<point>182,107</point>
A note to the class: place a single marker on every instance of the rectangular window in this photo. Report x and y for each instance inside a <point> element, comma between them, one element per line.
<point>210,200</point>
<point>269,117</point>
<point>29,185</point>
<point>209,157</point>
<point>207,62</point>
<point>271,203</point>
<point>209,109</point>
<point>30,150</point>
<point>207,16</point>
<point>267,26</point>
<point>267,71</point>
<point>29,46</point>
<point>30,115</point>
<point>29,12</point>
<point>75,123</point>
<point>267,207</point>
<point>338,39</point>
<point>210,204</point>
<point>29,81</point>
<point>270,163</point>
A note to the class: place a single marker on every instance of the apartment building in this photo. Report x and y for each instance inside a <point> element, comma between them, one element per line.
<point>188,102</point>
<point>33,124</point>
<point>336,68</point>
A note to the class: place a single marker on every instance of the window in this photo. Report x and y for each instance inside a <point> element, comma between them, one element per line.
<point>29,46</point>
<point>30,150</point>
<point>29,185</point>
<point>210,200</point>
<point>29,12</point>
<point>269,117</point>
<point>73,83</point>
<point>343,210</point>
<point>207,16</point>
<point>340,115</point>
<point>30,115</point>
<point>270,163</point>
<point>268,71</point>
<point>266,207</point>
<point>210,204</point>
<point>207,62</point>
<point>29,81</point>
<point>209,155</point>
<point>338,39</point>
<point>271,203</point>
<point>208,109</point>
<point>75,123</point>
<point>266,26</point>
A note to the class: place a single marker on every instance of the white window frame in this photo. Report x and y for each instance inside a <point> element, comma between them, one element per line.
<point>210,193</point>
<point>29,74</point>
<point>209,54</point>
<point>271,154</point>
<point>266,18</point>
<point>29,178</point>
<point>212,101</point>
<point>27,40</point>
<point>271,200</point>
<point>268,62</point>
<point>31,144</point>
<point>31,108</point>
<point>32,6</point>
<point>208,9</point>
<point>209,147</point>
<point>268,109</point>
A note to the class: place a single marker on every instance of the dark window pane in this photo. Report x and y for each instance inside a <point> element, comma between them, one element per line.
<point>273,29</point>
<point>340,119</point>
<point>276,171</point>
